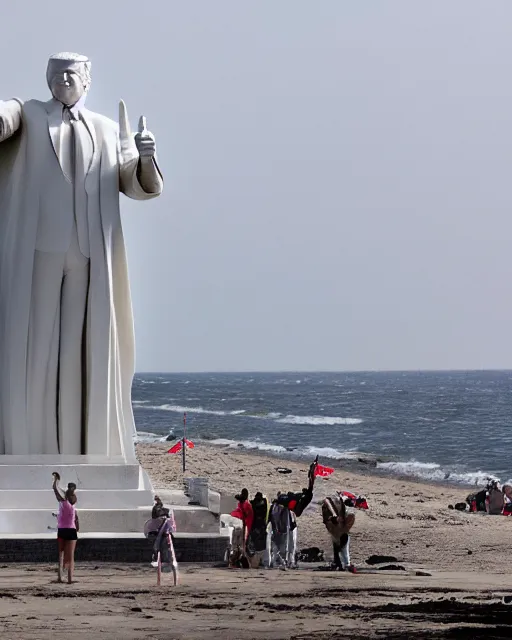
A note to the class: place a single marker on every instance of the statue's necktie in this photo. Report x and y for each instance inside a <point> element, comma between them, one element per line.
<point>79,138</point>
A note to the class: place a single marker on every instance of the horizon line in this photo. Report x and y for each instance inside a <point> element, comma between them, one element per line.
<point>302,371</point>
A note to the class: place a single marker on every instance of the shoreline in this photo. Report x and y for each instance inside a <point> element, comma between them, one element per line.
<point>362,463</point>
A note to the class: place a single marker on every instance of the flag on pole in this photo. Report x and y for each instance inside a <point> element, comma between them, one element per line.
<point>322,471</point>
<point>176,448</point>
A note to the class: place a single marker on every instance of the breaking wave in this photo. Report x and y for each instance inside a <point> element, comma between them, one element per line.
<point>178,409</point>
<point>318,420</point>
<point>247,444</point>
<point>145,437</point>
<point>434,472</point>
<point>309,452</point>
<point>274,416</point>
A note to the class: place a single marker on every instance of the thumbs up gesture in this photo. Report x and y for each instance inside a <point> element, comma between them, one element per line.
<point>144,139</point>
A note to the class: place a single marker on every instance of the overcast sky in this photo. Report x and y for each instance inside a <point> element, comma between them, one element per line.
<point>338,174</point>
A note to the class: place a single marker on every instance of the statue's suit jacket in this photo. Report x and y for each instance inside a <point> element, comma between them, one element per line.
<point>27,171</point>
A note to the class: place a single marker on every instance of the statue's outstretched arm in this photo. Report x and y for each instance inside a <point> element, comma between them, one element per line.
<point>140,177</point>
<point>10,117</point>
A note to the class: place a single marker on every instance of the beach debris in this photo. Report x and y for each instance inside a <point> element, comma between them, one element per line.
<point>351,500</point>
<point>311,554</point>
<point>427,516</point>
<point>376,559</point>
<point>391,567</point>
<point>425,574</point>
<point>283,470</point>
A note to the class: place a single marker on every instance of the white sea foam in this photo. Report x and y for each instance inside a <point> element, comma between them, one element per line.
<point>179,409</point>
<point>148,438</point>
<point>247,444</point>
<point>318,420</point>
<point>329,452</point>
<point>309,452</point>
<point>434,471</point>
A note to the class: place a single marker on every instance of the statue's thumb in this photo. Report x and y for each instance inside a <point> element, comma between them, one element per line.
<point>142,125</point>
<point>124,125</point>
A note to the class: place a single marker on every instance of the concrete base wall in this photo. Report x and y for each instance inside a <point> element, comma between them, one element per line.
<point>209,549</point>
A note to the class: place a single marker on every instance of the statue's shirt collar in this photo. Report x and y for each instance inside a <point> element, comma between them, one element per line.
<point>57,108</point>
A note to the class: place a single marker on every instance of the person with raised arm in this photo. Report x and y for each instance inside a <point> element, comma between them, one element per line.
<point>67,527</point>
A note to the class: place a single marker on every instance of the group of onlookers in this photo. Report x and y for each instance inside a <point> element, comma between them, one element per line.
<point>268,536</point>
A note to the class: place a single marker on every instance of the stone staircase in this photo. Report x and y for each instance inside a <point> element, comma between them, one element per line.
<point>114,501</point>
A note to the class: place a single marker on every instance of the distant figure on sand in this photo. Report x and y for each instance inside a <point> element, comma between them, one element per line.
<point>67,527</point>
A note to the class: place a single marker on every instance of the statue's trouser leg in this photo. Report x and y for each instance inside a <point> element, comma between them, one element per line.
<point>72,377</point>
<point>42,356</point>
<point>59,295</point>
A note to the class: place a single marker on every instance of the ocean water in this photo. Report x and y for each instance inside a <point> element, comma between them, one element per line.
<point>444,426</point>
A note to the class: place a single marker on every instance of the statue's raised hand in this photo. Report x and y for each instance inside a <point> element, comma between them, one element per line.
<point>144,139</point>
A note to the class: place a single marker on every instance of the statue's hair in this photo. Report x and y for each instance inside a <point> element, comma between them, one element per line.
<point>85,63</point>
<point>69,57</point>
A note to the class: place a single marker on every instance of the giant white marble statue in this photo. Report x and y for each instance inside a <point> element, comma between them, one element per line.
<point>66,325</point>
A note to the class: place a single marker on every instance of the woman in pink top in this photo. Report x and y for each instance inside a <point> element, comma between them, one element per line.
<point>67,527</point>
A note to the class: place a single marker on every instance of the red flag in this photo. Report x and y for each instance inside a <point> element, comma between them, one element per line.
<point>176,448</point>
<point>322,471</point>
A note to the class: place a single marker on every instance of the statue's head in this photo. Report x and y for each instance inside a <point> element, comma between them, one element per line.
<point>69,77</point>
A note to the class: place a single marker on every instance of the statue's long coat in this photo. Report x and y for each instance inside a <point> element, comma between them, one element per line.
<point>110,424</point>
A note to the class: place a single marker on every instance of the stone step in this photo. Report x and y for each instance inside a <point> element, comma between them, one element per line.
<point>189,519</point>
<point>58,459</point>
<point>173,497</point>
<point>85,476</point>
<point>87,499</point>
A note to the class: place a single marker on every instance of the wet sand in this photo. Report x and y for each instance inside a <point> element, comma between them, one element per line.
<point>123,602</point>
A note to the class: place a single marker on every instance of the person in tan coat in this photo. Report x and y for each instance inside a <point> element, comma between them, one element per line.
<point>338,522</point>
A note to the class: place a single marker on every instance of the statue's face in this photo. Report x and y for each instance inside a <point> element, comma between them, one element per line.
<point>67,87</point>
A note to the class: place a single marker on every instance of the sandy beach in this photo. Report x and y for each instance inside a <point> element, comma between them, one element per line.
<point>454,580</point>
<point>407,519</point>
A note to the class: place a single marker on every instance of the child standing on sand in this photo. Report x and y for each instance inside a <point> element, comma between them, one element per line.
<point>67,527</point>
